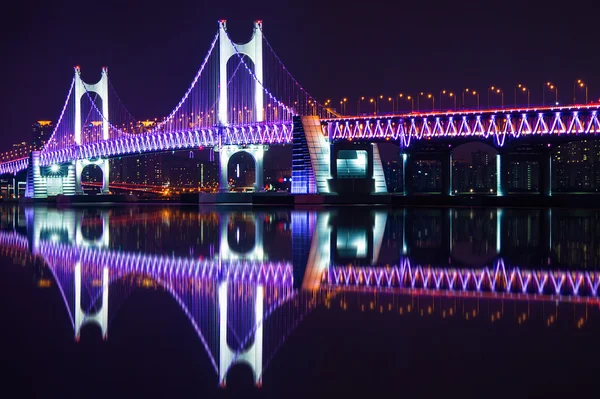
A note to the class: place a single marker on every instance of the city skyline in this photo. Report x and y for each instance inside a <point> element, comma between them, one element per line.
<point>133,62</point>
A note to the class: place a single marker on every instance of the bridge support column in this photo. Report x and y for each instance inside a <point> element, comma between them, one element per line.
<point>408,184</point>
<point>78,170</point>
<point>257,151</point>
<point>446,181</point>
<point>502,164</point>
<point>545,164</point>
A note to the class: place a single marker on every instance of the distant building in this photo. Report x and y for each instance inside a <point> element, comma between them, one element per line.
<point>42,130</point>
<point>393,176</point>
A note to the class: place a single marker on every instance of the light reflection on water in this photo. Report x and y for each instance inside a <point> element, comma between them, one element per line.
<point>246,280</point>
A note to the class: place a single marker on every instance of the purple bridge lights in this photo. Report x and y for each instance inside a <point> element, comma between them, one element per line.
<point>234,105</point>
<point>229,107</point>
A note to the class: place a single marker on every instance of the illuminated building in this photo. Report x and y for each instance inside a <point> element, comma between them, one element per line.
<point>41,132</point>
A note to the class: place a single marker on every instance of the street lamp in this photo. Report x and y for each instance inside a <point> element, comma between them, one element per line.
<point>523,89</point>
<point>374,102</point>
<point>550,86</point>
<point>428,96</point>
<point>392,100</point>
<point>408,98</point>
<point>451,95</point>
<point>496,90</point>
<point>358,104</point>
<point>473,92</point>
<point>579,83</point>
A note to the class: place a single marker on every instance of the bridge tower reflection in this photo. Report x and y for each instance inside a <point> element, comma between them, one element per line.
<point>253,356</point>
<point>239,222</point>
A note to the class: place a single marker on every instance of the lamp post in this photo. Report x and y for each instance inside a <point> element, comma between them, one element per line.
<point>408,98</point>
<point>473,92</point>
<point>496,90</point>
<point>374,102</point>
<point>550,86</point>
<point>579,83</point>
<point>393,101</point>
<point>429,95</point>
<point>358,104</point>
<point>450,94</point>
<point>523,89</point>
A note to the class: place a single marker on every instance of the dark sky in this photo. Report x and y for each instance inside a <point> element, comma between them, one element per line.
<point>334,49</point>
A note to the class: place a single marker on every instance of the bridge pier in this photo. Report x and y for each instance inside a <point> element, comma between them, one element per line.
<point>103,164</point>
<point>256,151</point>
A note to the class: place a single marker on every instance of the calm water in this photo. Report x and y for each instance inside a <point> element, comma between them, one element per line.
<point>149,301</point>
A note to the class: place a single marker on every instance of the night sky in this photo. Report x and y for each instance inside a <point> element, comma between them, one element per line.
<point>334,49</point>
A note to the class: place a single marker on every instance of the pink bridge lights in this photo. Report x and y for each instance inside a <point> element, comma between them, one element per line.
<point>546,123</point>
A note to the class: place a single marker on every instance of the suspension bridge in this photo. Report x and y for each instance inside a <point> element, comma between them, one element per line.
<point>243,98</point>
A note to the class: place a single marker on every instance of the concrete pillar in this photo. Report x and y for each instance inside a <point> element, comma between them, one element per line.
<point>502,164</point>
<point>407,174</point>
<point>446,181</point>
<point>545,163</point>
<point>104,166</point>
<point>223,163</point>
<point>78,170</point>
<point>259,183</point>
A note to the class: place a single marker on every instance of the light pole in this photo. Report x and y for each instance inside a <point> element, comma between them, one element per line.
<point>550,86</point>
<point>496,90</point>
<point>474,92</point>
<point>358,104</point>
<point>579,83</point>
<point>392,100</point>
<point>408,98</point>
<point>523,89</point>
<point>428,96</point>
<point>451,95</point>
<point>374,102</point>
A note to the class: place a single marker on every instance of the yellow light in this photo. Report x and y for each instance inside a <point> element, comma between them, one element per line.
<point>498,91</point>
<point>381,96</point>
<point>474,92</point>
<point>519,85</point>
<point>408,98</point>
<point>429,96</point>
<point>362,98</point>
<point>578,80</point>
<point>451,94</point>
<point>444,92</point>
<point>552,86</point>
<point>467,90</point>
<point>524,89</point>
<point>389,98</point>
<point>422,93</point>
<point>371,100</point>
<point>401,95</point>
<point>492,87</point>
<point>581,84</point>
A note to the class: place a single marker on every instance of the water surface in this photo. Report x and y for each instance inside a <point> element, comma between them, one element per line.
<point>150,301</point>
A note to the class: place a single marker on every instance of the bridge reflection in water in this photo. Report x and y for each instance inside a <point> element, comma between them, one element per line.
<point>246,280</point>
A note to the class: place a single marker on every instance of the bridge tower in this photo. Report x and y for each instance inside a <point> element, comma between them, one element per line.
<point>100,88</point>
<point>254,50</point>
<point>44,181</point>
<point>253,356</point>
